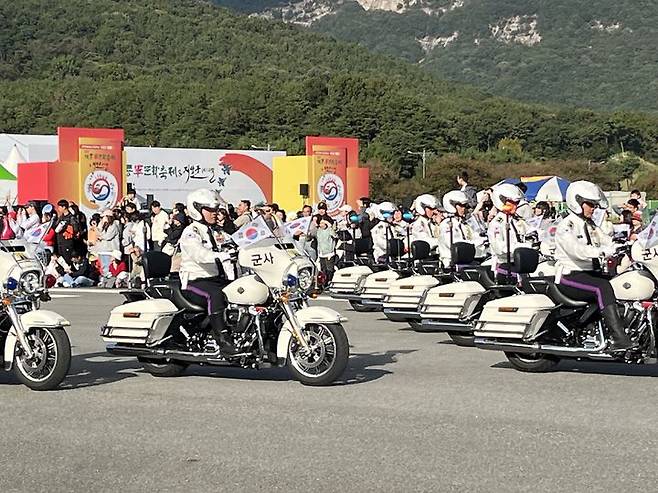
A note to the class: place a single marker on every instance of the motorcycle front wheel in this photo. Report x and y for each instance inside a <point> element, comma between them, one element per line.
<point>357,306</point>
<point>164,368</point>
<point>327,359</point>
<point>462,340</point>
<point>50,361</point>
<point>532,363</point>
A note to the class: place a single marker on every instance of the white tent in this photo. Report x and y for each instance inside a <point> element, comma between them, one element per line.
<point>11,163</point>
<point>8,173</point>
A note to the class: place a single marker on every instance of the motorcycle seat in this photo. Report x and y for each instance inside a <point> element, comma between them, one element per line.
<point>481,274</point>
<point>560,298</point>
<point>536,285</point>
<point>182,299</point>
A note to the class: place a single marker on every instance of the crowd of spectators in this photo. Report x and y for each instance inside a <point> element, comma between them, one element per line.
<point>106,248</point>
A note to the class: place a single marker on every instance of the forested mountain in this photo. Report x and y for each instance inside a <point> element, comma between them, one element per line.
<point>187,73</point>
<point>598,54</point>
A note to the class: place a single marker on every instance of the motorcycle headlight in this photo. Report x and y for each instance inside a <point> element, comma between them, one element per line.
<point>30,282</point>
<point>305,279</point>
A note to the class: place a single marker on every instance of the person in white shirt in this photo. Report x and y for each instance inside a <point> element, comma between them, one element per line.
<point>159,222</point>
<point>130,198</point>
<point>27,219</point>
<point>244,213</point>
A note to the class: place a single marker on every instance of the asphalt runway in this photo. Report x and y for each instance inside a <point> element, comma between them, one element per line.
<point>414,413</point>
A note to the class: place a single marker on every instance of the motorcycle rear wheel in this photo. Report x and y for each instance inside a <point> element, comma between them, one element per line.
<point>357,306</point>
<point>532,363</point>
<point>50,363</point>
<point>168,369</point>
<point>462,340</point>
<point>330,351</point>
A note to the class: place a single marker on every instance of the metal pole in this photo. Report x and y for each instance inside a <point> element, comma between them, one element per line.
<point>509,252</point>
<point>424,161</point>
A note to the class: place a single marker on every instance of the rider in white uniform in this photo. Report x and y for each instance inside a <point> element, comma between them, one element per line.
<point>386,229</point>
<point>423,228</point>
<point>506,199</point>
<point>205,270</point>
<point>454,228</point>
<point>580,244</point>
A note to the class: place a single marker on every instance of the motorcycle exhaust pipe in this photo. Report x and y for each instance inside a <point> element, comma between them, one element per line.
<point>567,352</point>
<point>215,357</point>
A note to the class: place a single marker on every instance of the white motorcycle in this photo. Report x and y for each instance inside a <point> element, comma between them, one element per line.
<point>536,330</point>
<point>35,342</point>
<point>365,287</point>
<point>268,316</point>
<point>455,307</point>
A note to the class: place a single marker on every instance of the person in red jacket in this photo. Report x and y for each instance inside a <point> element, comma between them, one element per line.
<point>49,238</point>
<point>117,277</point>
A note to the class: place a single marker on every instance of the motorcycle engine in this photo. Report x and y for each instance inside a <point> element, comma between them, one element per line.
<point>632,316</point>
<point>589,337</point>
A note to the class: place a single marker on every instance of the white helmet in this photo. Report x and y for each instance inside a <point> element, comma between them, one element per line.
<point>451,199</point>
<point>506,192</point>
<point>201,199</point>
<point>584,191</point>
<point>425,201</point>
<point>385,210</point>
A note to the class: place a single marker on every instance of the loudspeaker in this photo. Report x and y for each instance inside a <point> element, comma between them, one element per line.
<point>303,189</point>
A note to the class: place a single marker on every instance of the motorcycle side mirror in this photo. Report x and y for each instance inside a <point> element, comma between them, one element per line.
<point>11,284</point>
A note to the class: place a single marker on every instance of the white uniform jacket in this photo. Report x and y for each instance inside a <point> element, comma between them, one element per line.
<point>461,232</point>
<point>425,229</point>
<point>198,257</point>
<point>497,234</point>
<point>379,236</point>
<point>577,243</point>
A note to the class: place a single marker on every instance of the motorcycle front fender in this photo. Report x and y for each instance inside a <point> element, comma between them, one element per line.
<point>10,348</point>
<point>31,320</point>
<point>305,316</point>
<point>43,318</point>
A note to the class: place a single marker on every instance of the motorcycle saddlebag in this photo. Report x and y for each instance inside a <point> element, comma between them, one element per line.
<point>133,323</point>
<point>511,317</point>
<point>346,279</point>
<point>448,300</point>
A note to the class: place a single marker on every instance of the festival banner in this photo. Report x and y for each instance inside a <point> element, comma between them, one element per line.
<point>170,174</point>
<point>100,172</point>
<point>330,176</point>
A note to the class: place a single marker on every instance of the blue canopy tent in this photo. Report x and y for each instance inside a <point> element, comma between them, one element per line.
<point>549,188</point>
